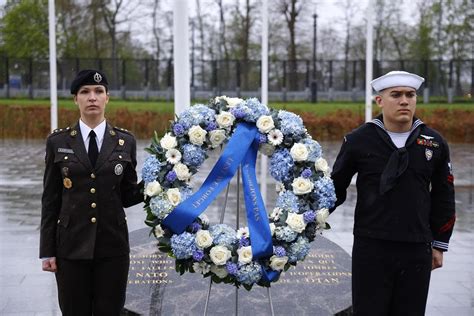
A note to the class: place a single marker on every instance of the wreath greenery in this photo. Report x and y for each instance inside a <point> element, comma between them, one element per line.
<point>305,190</point>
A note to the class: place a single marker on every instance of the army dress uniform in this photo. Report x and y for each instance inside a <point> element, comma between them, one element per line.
<point>83,223</point>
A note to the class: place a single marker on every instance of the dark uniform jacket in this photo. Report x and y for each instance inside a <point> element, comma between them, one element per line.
<point>404,194</point>
<point>82,214</point>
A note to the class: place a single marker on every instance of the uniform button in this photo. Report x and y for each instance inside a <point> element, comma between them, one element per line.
<point>59,221</point>
<point>92,190</point>
<point>93,205</point>
<point>92,176</point>
<point>120,156</point>
<point>93,220</point>
<point>65,157</point>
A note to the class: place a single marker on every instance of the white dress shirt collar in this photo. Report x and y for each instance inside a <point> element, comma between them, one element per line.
<point>99,131</point>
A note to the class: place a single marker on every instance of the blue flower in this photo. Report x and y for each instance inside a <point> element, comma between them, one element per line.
<point>262,138</point>
<point>306,173</point>
<point>186,192</point>
<point>281,163</point>
<point>249,273</point>
<point>211,126</point>
<point>279,251</point>
<point>160,206</point>
<point>232,268</point>
<point>299,249</point>
<point>288,201</point>
<point>198,255</point>
<point>171,176</point>
<point>150,169</point>
<point>285,233</point>
<point>193,155</point>
<point>309,216</point>
<point>183,245</point>
<point>314,149</point>
<point>291,124</point>
<point>178,129</point>
<point>238,112</point>
<point>244,242</point>
<point>324,192</point>
<point>196,115</point>
<point>223,234</point>
<point>195,226</point>
<point>254,109</point>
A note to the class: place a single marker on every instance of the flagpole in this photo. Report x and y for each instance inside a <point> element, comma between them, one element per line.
<point>53,86</point>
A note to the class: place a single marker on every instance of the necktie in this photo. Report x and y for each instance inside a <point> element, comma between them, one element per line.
<point>93,150</point>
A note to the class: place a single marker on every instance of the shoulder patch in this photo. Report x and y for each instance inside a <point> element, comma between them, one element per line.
<point>60,130</point>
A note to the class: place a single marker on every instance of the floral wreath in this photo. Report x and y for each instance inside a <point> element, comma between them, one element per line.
<point>306,192</point>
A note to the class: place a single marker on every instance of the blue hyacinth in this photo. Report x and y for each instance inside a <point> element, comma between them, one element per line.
<point>193,155</point>
<point>299,249</point>
<point>178,129</point>
<point>238,112</point>
<point>324,191</point>
<point>279,251</point>
<point>288,201</point>
<point>244,241</point>
<point>183,245</point>
<point>291,124</point>
<point>198,255</point>
<point>309,216</point>
<point>281,163</point>
<point>306,173</point>
<point>224,235</point>
<point>171,176</point>
<point>150,169</point>
<point>250,273</point>
<point>232,268</point>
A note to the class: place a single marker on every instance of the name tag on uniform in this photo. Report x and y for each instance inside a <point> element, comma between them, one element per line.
<point>65,150</point>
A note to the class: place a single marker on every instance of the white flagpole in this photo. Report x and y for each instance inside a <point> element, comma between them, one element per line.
<point>368,62</point>
<point>182,90</point>
<point>264,85</point>
<point>53,87</point>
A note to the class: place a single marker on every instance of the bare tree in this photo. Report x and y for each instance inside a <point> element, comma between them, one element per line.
<point>350,8</point>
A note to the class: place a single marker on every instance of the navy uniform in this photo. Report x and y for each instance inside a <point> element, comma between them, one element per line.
<point>405,207</point>
<point>83,223</point>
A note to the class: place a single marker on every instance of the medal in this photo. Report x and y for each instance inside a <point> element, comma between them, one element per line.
<point>118,169</point>
<point>67,183</point>
<point>121,142</point>
<point>428,154</point>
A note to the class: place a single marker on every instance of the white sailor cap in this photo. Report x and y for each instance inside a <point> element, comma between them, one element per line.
<point>397,79</point>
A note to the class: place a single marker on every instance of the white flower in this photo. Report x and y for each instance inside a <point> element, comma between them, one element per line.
<point>182,171</point>
<point>265,123</point>
<point>225,119</point>
<point>173,156</point>
<point>321,216</point>
<point>201,267</point>
<point>203,239</point>
<point>296,222</point>
<point>280,187</point>
<point>204,219</point>
<point>219,271</point>
<point>266,149</point>
<point>275,215</point>
<point>322,165</point>
<point>272,229</point>
<point>245,254</point>
<point>299,152</point>
<point>302,186</point>
<point>232,102</point>
<point>278,263</point>
<point>168,142</point>
<point>174,196</point>
<point>197,135</point>
<point>243,232</point>
<point>153,188</point>
<point>275,137</point>
<point>217,137</point>
<point>219,255</point>
<point>159,232</point>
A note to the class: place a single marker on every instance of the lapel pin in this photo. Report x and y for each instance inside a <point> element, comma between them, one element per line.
<point>73,133</point>
<point>118,169</point>
<point>121,142</point>
<point>428,154</point>
<point>112,132</point>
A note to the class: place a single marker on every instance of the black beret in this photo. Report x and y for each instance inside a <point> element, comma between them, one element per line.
<point>88,77</point>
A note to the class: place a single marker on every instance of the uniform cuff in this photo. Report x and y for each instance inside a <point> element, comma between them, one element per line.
<point>443,246</point>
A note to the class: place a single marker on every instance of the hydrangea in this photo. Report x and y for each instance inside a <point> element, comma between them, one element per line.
<point>193,155</point>
<point>325,194</point>
<point>186,192</point>
<point>254,109</point>
<point>249,273</point>
<point>279,251</point>
<point>288,201</point>
<point>183,245</point>
<point>160,206</point>
<point>299,249</point>
<point>280,165</point>
<point>290,123</point>
<point>314,149</point>
<point>223,234</point>
<point>285,233</point>
<point>195,115</point>
<point>150,169</point>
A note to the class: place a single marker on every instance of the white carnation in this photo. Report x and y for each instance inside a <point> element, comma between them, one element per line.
<point>217,137</point>
<point>245,254</point>
<point>243,232</point>
<point>153,188</point>
<point>197,135</point>
<point>174,196</point>
<point>296,222</point>
<point>182,171</point>
<point>168,142</point>
<point>275,137</point>
<point>265,123</point>
<point>302,186</point>
<point>280,187</point>
<point>159,232</point>
<point>225,119</point>
<point>201,267</point>
<point>299,152</point>
<point>278,263</point>
<point>275,215</point>
<point>219,255</point>
<point>173,156</point>
<point>203,239</point>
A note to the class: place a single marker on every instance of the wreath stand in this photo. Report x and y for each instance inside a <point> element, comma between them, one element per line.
<point>237,225</point>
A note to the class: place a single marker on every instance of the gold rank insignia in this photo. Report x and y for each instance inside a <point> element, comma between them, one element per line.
<point>67,183</point>
<point>112,132</point>
<point>121,142</point>
<point>73,133</point>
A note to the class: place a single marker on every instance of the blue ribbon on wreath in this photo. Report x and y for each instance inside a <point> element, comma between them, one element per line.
<point>241,150</point>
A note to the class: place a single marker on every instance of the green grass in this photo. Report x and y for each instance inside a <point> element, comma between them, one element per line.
<point>321,108</point>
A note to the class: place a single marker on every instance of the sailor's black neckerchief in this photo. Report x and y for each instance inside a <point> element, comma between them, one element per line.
<point>398,161</point>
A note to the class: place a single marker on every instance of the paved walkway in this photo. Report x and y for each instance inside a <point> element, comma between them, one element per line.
<point>26,290</point>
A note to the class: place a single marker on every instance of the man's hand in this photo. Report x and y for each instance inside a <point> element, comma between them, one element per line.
<point>49,264</point>
<point>437,260</point>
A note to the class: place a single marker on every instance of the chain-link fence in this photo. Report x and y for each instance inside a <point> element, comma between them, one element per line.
<point>288,79</point>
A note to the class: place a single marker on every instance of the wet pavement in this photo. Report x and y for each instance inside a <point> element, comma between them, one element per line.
<point>26,290</point>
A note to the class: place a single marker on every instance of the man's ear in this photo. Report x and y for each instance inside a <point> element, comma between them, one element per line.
<point>378,100</point>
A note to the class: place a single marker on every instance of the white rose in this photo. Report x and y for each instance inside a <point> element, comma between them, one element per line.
<point>278,263</point>
<point>296,222</point>
<point>245,254</point>
<point>174,196</point>
<point>272,229</point>
<point>168,142</point>
<point>299,152</point>
<point>322,165</point>
<point>225,119</point>
<point>159,232</point>
<point>219,255</point>
<point>153,188</point>
<point>197,135</point>
<point>220,271</point>
<point>182,171</point>
<point>321,216</point>
<point>232,102</point>
<point>265,123</point>
<point>266,149</point>
<point>302,186</point>
<point>217,137</point>
<point>203,239</point>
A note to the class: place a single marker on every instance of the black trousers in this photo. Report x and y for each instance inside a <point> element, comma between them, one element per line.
<point>92,287</point>
<point>390,278</point>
